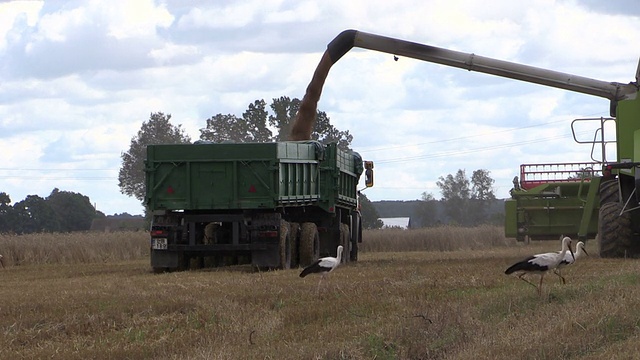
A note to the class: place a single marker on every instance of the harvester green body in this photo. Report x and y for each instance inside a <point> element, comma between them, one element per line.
<point>552,200</point>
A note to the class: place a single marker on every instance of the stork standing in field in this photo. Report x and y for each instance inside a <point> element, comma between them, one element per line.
<point>2,261</point>
<point>541,263</point>
<point>568,260</point>
<point>323,266</point>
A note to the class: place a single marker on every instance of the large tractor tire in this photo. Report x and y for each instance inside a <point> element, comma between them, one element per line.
<point>345,241</point>
<point>309,244</point>
<point>609,192</point>
<point>285,245</point>
<point>614,231</point>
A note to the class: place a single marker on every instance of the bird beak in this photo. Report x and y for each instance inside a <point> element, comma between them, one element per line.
<point>573,256</point>
<point>585,251</point>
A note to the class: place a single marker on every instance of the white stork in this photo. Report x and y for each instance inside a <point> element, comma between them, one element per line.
<point>541,263</point>
<point>323,266</point>
<point>2,261</point>
<point>568,260</point>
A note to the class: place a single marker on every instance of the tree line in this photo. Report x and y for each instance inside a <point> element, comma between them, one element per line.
<point>61,211</point>
<point>465,200</point>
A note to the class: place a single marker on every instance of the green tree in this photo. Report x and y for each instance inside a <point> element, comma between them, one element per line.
<point>482,195</point>
<point>252,127</point>
<point>74,211</point>
<point>285,110</point>
<point>426,210</point>
<point>6,214</point>
<point>455,195</point>
<point>370,216</point>
<point>482,185</point>
<point>157,130</point>
<point>34,214</point>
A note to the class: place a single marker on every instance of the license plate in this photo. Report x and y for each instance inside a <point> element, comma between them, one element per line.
<point>159,244</point>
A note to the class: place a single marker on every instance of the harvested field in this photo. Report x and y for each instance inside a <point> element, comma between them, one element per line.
<point>454,304</point>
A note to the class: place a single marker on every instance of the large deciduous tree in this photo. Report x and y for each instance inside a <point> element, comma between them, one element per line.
<point>251,127</point>
<point>74,211</point>
<point>6,213</point>
<point>481,195</point>
<point>467,202</point>
<point>157,130</point>
<point>426,210</point>
<point>370,216</point>
<point>254,125</point>
<point>455,195</point>
<point>34,214</point>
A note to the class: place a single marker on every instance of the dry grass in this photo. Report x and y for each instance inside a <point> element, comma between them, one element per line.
<point>73,248</point>
<point>444,238</point>
<point>389,305</point>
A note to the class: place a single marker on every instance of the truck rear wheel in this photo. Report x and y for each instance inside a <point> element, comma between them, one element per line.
<point>309,243</point>
<point>614,231</point>
<point>285,245</point>
<point>294,236</point>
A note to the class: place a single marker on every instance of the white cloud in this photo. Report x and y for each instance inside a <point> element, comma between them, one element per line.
<point>78,78</point>
<point>17,13</point>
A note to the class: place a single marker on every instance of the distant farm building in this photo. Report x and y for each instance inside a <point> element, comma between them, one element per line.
<point>396,222</point>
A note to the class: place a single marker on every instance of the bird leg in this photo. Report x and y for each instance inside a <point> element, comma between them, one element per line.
<point>525,280</point>
<point>555,271</point>
<point>319,282</point>
<point>540,286</point>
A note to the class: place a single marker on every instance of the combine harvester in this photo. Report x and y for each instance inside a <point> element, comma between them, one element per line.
<point>601,197</point>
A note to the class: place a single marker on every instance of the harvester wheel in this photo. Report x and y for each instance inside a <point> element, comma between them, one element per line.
<point>294,236</point>
<point>285,245</point>
<point>609,192</point>
<point>345,241</point>
<point>614,231</point>
<point>309,243</point>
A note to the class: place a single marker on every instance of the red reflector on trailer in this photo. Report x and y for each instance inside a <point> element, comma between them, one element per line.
<point>170,190</point>
<point>158,233</point>
<point>252,189</point>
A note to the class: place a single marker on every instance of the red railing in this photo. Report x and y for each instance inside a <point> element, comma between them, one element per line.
<point>532,175</point>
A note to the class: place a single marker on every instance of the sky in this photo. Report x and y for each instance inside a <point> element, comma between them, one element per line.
<point>78,79</point>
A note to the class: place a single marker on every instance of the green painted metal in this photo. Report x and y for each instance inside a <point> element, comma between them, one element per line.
<point>551,202</point>
<point>251,176</point>
<point>627,125</point>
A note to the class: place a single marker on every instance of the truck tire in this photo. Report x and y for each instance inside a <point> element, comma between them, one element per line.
<point>309,243</point>
<point>609,192</point>
<point>345,241</point>
<point>294,236</point>
<point>614,231</point>
<point>285,245</point>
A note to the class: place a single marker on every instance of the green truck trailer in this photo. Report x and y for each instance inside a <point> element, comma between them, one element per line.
<point>273,205</point>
